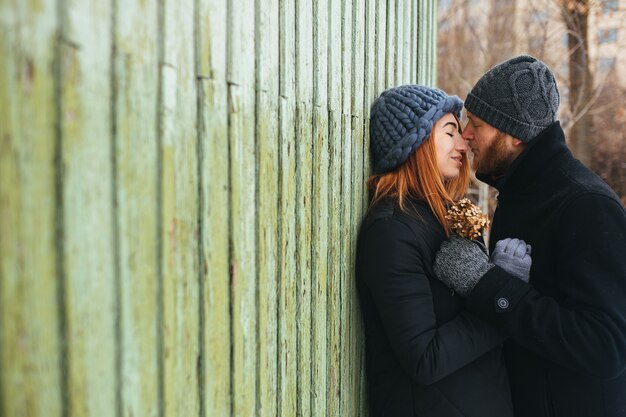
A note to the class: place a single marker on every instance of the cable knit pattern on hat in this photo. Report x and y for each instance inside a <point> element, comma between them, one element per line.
<point>402,118</point>
<point>518,97</point>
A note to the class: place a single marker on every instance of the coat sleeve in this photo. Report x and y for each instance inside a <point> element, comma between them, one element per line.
<point>583,326</point>
<point>395,277</point>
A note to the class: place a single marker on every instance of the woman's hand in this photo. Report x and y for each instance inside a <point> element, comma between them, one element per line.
<point>461,263</point>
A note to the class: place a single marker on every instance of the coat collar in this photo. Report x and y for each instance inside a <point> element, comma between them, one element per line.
<point>532,165</point>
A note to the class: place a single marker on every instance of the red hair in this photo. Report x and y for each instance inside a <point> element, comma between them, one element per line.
<point>419,177</point>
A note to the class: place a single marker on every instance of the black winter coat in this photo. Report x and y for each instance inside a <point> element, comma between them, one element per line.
<point>426,356</point>
<point>568,353</point>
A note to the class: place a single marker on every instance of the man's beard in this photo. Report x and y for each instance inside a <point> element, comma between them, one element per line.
<point>495,160</point>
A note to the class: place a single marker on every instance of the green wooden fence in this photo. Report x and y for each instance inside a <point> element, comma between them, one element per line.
<point>181,184</point>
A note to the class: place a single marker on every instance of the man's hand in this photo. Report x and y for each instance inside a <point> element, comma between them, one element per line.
<point>461,263</point>
<point>513,255</point>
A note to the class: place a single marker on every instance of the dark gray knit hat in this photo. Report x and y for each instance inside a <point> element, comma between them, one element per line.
<point>518,97</point>
<point>402,118</point>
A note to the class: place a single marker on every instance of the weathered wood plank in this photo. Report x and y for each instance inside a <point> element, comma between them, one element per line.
<point>88,243</point>
<point>215,249</point>
<point>179,222</point>
<point>426,42</point>
<point>30,355</point>
<point>136,146</point>
<point>304,174</point>
<point>399,39</point>
<point>346,205</point>
<point>214,206</point>
<point>381,47</point>
<point>431,67</point>
<point>414,63</point>
<point>391,56</point>
<point>241,78</point>
<point>406,42</point>
<point>419,41</point>
<point>287,214</point>
<point>320,204</point>
<point>334,222</point>
<point>358,62</point>
<point>357,94</point>
<point>267,45</point>
<point>370,87</point>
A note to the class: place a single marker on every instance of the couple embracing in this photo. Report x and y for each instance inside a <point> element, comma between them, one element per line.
<point>535,325</point>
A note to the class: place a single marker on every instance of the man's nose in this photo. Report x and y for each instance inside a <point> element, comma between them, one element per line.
<point>468,132</point>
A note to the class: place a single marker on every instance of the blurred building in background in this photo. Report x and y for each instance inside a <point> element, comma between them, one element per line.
<point>584,42</point>
<point>607,46</point>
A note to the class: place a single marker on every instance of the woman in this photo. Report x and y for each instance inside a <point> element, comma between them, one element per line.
<point>426,356</point>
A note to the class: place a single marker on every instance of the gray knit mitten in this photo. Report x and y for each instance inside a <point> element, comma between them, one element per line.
<point>461,263</point>
<point>513,255</point>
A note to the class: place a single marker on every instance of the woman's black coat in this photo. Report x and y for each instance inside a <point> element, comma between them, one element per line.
<point>426,355</point>
<point>567,356</point>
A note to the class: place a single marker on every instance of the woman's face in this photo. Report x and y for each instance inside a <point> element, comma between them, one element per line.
<point>450,146</point>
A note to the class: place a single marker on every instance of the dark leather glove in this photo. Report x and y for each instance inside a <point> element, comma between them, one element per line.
<point>513,255</point>
<point>461,263</point>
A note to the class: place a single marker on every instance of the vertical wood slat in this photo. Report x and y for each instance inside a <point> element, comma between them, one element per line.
<point>358,77</point>
<point>421,35</point>
<point>30,350</point>
<point>88,245</point>
<point>414,63</point>
<point>369,92</point>
<point>346,203</point>
<point>426,42</point>
<point>304,174</point>
<point>267,188</point>
<point>320,204</point>
<point>179,222</point>
<point>381,47</point>
<point>287,149</point>
<point>406,44</point>
<point>215,208</point>
<point>241,80</point>
<point>135,92</point>
<point>335,194</point>
<point>399,40</point>
<point>370,84</point>
<point>431,66</point>
<point>391,53</point>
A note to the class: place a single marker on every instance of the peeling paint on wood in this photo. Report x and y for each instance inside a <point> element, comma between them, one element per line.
<point>287,302</point>
<point>215,208</point>
<point>243,206</point>
<point>179,211</point>
<point>268,244</point>
<point>30,345</point>
<point>88,247</point>
<point>136,146</point>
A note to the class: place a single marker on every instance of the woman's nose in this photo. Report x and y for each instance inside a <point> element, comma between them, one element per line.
<point>461,144</point>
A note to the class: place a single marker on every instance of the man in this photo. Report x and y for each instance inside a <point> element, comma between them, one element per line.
<point>566,355</point>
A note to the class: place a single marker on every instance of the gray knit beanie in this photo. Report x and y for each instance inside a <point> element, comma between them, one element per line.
<point>518,97</point>
<point>402,118</point>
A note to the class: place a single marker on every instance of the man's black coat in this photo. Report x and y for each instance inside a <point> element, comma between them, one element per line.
<point>567,356</point>
<point>426,355</point>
